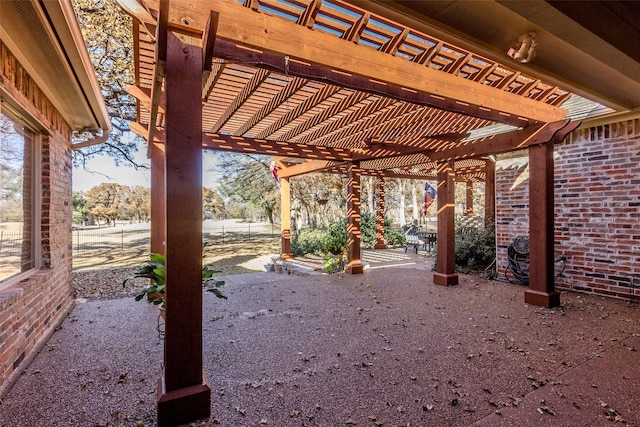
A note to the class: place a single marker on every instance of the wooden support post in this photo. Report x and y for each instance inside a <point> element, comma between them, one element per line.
<point>285,218</point>
<point>445,273</point>
<point>158,201</point>
<point>380,243</point>
<point>490,192</point>
<point>541,290</point>
<point>469,201</point>
<point>184,394</point>
<point>354,264</point>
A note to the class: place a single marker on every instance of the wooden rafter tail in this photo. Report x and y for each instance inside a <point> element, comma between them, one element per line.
<point>393,44</point>
<point>308,17</point>
<point>251,4</point>
<point>544,95</point>
<point>557,101</point>
<point>526,89</point>
<point>504,82</point>
<point>454,67</point>
<point>482,75</point>
<point>426,56</point>
<point>354,32</point>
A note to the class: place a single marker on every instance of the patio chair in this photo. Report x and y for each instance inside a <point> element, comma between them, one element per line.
<point>413,240</point>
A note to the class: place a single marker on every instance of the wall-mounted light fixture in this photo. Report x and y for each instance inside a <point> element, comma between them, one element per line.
<point>525,51</point>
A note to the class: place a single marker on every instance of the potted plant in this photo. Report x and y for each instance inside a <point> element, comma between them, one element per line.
<point>154,269</point>
<point>278,263</point>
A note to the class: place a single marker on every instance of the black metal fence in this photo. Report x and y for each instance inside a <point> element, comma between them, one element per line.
<point>103,240</point>
<point>10,242</point>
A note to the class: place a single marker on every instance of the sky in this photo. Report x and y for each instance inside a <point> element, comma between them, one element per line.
<point>103,169</point>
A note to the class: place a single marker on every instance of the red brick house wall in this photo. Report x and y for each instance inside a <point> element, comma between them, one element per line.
<point>32,308</point>
<point>597,208</point>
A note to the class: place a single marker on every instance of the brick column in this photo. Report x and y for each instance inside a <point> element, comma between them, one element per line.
<point>380,243</point>
<point>541,290</point>
<point>354,264</point>
<point>184,394</point>
<point>445,272</point>
<point>285,218</point>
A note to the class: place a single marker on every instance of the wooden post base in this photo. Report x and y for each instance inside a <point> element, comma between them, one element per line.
<point>184,405</point>
<point>354,268</point>
<point>542,299</point>
<point>380,246</point>
<point>445,279</point>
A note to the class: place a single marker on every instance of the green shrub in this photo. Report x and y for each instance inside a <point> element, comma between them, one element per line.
<point>368,229</point>
<point>335,238</point>
<point>394,235</point>
<point>475,248</point>
<point>334,263</point>
<point>308,242</point>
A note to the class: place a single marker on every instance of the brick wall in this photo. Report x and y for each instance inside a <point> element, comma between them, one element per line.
<point>31,309</point>
<point>597,208</point>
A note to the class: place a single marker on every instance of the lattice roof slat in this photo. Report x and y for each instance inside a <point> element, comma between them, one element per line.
<point>292,105</point>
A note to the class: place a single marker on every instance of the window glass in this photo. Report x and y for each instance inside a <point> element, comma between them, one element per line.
<point>16,198</point>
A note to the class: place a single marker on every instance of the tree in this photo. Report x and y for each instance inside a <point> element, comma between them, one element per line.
<point>80,210</point>
<point>212,204</point>
<point>317,199</point>
<point>248,178</point>
<point>104,201</point>
<point>135,204</point>
<point>106,29</point>
<point>12,153</point>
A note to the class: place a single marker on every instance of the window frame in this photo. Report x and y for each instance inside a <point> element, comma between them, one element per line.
<point>36,138</point>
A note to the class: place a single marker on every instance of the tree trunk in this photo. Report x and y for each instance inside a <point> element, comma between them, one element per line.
<point>401,208</point>
<point>414,196</point>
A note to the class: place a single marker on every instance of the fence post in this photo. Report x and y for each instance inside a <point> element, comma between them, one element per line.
<point>1,239</point>
<point>223,234</point>
<point>122,240</point>
<point>249,231</point>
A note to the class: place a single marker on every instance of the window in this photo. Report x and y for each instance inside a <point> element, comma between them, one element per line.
<point>18,221</point>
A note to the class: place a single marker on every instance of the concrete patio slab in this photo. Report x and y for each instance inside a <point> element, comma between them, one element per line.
<point>384,348</point>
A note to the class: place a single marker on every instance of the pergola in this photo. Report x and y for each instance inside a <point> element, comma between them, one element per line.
<point>321,86</point>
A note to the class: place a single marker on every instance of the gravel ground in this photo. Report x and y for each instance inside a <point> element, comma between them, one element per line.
<point>387,348</point>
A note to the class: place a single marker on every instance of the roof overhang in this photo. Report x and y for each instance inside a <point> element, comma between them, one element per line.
<point>45,38</point>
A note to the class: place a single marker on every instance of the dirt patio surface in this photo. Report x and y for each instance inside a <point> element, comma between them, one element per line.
<point>386,348</point>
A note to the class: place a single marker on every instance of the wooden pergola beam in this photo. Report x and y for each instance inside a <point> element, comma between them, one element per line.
<point>398,91</point>
<point>304,168</point>
<point>321,52</point>
<point>160,64</point>
<point>506,142</point>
